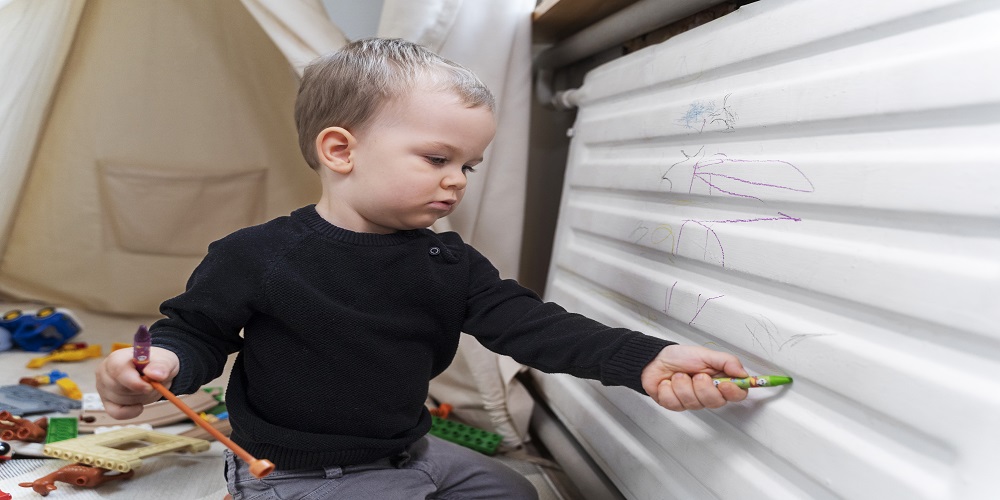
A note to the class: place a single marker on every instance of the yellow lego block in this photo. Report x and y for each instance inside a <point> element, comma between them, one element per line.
<point>69,389</point>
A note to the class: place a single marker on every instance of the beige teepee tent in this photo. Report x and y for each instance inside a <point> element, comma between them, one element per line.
<point>168,128</point>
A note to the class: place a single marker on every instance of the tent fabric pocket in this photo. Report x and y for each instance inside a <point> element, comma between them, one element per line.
<point>178,212</point>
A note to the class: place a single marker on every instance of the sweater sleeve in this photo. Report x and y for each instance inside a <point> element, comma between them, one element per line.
<point>202,325</point>
<point>510,319</point>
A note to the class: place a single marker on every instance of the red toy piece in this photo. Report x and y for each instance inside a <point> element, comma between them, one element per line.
<point>80,475</point>
<point>5,496</point>
<point>443,410</point>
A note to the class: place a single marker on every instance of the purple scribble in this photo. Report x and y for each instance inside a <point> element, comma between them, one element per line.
<point>698,302</point>
<point>719,171</point>
<point>729,176</point>
<point>709,230</point>
<point>702,306</point>
<point>750,172</point>
<point>784,216</point>
<point>718,241</point>
<point>670,296</point>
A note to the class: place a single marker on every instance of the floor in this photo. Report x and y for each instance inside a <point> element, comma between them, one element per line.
<point>169,476</point>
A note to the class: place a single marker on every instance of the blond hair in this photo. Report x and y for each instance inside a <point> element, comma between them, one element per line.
<point>349,87</point>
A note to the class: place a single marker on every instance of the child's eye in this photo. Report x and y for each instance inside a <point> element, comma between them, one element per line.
<point>437,160</point>
<point>468,169</point>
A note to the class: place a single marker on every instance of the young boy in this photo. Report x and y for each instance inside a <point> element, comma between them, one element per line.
<point>350,306</point>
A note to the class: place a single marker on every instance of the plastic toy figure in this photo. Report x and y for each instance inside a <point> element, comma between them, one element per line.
<point>80,475</point>
<point>43,330</point>
<point>5,340</point>
<point>22,429</point>
<point>46,379</point>
<point>68,352</point>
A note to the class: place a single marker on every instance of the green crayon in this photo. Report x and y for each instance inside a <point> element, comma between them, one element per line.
<point>761,381</point>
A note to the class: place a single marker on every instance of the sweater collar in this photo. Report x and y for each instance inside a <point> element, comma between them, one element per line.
<point>311,218</point>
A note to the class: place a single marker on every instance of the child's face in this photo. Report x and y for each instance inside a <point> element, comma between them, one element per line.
<point>410,164</point>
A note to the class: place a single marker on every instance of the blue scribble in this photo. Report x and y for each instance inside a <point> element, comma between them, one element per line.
<point>703,113</point>
<point>695,118</point>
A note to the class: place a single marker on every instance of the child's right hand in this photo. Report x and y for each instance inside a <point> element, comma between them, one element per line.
<point>120,386</point>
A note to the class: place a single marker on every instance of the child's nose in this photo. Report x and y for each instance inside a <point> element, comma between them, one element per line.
<point>454,180</point>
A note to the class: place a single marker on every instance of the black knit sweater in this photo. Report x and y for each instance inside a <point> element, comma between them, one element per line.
<point>342,332</point>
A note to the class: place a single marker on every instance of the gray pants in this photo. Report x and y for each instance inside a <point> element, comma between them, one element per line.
<point>430,468</point>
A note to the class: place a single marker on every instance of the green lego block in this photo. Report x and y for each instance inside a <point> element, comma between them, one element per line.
<point>482,441</point>
<point>219,394</point>
<point>61,429</point>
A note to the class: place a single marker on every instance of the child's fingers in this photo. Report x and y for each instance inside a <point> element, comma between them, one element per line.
<point>734,368</point>
<point>122,412</point>
<point>162,366</point>
<point>666,398</point>
<point>119,374</point>
<point>122,390</point>
<point>725,363</point>
<point>684,389</point>
<point>159,372</point>
<point>732,392</point>
<point>708,395</point>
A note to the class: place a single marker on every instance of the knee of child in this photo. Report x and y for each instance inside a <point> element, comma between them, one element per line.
<point>525,490</point>
<point>519,487</point>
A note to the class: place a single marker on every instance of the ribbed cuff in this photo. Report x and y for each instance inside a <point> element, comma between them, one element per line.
<point>625,366</point>
<point>186,381</point>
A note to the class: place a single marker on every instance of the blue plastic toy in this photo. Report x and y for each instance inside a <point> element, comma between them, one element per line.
<point>41,331</point>
<point>5,341</point>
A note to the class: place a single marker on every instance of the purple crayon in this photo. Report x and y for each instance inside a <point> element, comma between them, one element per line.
<point>140,348</point>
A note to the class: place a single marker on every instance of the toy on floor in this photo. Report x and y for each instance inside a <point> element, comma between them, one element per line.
<point>22,429</point>
<point>69,388</point>
<point>61,429</point>
<point>484,442</point>
<point>37,380</point>
<point>24,399</point>
<point>5,496</point>
<point>6,452</point>
<point>220,424</point>
<point>43,330</point>
<point>68,353</point>
<point>80,475</point>
<point>155,414</point>
<point>123,449</point>
<point>5,344</point>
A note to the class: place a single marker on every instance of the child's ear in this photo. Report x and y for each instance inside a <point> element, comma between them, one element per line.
<point>334,146</point>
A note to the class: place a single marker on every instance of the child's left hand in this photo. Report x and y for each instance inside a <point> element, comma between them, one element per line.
<point>680,378</point>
